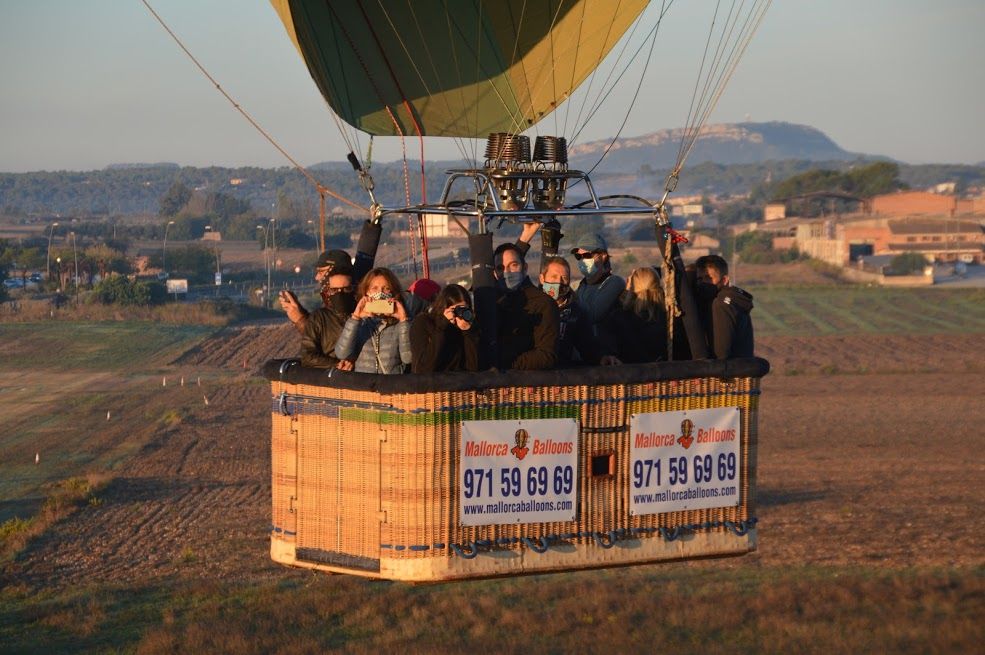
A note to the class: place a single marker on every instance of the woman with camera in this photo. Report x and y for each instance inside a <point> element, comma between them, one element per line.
<point>377,334</point>
<point>445,338</point>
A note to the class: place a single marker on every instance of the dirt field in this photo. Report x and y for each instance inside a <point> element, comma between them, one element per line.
<point>869,466</point>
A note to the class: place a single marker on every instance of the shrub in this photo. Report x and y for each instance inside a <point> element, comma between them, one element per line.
<point>908,263</point>
<point>121,290</point>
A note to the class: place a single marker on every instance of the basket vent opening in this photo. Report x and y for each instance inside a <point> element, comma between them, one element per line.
<point>604,464</point>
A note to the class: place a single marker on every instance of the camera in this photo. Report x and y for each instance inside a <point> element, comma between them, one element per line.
<point>464,312</point>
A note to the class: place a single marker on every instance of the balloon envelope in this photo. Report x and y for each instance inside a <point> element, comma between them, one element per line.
<point>442,68</point>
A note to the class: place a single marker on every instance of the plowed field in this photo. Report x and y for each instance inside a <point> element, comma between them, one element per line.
<point>870,458</point>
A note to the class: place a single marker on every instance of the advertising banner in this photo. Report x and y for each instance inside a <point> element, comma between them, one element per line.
<point>518,471</point>
<point>684,460</point>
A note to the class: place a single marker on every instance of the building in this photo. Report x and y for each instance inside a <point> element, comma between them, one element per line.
<point>924,203</point>
<point>775,211</point>
<point>938,238</point>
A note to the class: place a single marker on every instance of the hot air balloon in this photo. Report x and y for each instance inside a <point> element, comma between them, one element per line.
<point>460,475</point>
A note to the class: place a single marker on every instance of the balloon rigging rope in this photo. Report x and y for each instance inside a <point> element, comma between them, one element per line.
<point>322,189</point>
<point>652,38</point>
<point>720,71</point>
<point>598,62</point>
<point>410,57</point>
<point>610,85</point>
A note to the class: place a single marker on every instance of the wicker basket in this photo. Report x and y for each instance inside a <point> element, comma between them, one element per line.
<point>366,476</point>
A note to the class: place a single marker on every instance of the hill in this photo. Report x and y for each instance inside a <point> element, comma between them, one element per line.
<point>727,159</point>
<point>729,143</point>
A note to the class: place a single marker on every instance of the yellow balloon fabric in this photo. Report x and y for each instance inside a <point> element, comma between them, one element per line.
<point>452,68</point>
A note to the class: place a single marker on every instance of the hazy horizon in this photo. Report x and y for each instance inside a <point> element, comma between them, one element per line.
<point>883,78</point>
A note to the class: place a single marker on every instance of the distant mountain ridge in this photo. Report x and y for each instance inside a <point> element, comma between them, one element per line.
<point>726,143</point>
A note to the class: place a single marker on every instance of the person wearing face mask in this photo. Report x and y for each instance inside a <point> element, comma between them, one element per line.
<point>321,328</point>
<point>444,337</point>
<point>377,334</point>
<point>725,309</point>
<point>576,343</point>
<point>369,241</point>
<point>327,262</point>
<point>526,317</point>
<point>635,332</point>
<point>599,289</point>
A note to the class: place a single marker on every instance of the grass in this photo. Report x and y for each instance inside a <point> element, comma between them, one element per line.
<point>808,311</point>
<point>643,609</point>
<point>106,346</point>
<point>63,498</point>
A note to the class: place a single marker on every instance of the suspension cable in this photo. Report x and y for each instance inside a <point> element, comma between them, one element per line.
<point>322,189</point>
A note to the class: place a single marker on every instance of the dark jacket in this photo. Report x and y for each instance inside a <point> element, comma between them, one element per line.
<point>633,340</point>
<point>598,299</point>
<point>437,345</point>
<point>731,326</point>
<point>321,330</point>
<point>527,328</point>
<point>576,340</point>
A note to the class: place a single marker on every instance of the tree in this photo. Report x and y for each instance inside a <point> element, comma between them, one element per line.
<point>908,263</point>
<point>175,199</point>
<point>121,290</point>
<point>194,262</point>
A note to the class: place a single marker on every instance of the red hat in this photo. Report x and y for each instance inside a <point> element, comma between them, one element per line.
<point>425,289</point>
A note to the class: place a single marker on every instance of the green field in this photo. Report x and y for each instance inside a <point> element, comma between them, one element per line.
<point>807,311</point>
<point>107,346</point>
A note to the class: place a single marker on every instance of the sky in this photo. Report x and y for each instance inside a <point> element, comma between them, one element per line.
<point>88,84</point>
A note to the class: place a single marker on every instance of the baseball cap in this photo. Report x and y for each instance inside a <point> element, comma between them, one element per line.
<point>591,243</point>
<point>339,260</point>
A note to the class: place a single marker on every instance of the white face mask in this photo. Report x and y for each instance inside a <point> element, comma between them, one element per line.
<point>586,266</point>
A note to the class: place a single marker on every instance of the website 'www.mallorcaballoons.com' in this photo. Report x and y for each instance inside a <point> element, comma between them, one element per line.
<point>503,507</point>
<point>686,494</point>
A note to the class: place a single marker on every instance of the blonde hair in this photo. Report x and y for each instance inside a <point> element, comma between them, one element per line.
<point>647,297</point>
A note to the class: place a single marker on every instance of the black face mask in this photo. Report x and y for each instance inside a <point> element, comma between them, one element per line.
<point>705,291</point>
<point>343,303</point>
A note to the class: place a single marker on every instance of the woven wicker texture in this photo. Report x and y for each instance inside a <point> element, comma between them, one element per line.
<point>360,476</point>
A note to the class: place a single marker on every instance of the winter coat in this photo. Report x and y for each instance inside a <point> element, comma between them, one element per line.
<point>731,326</point>
<point>437,345</point>
<point>527,328</point>
<point>633,340</point>
<point>597,300</point>
<point>577,343</point>
<point>321,332</point>
<point>377,346</point>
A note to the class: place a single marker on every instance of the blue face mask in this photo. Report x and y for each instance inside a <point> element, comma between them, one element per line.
<point>586,266</point>
<point>553,289</point>
<point>513,279</point>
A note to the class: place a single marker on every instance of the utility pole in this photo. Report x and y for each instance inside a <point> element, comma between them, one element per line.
<point>51,231</point>
<point>75,252</point>
<point>164,256</point>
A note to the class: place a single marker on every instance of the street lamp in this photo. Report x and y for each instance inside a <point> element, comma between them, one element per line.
<point>314,236</point>
<point>266,261</point>
<point>58,260</point>
<point>75,253</point>
<point>164,255</point>
<point>51,231</point>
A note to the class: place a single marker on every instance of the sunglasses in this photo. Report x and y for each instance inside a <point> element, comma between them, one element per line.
<point>586,255</point>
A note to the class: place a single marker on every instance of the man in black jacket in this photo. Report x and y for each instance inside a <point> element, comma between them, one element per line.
<point>724,308</point>
<point>527,318</point>
<point>323,326</point>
